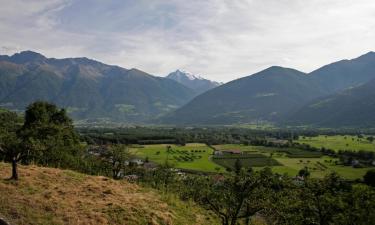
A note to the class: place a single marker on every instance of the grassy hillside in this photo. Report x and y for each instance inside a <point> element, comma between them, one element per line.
<point>54,196</point>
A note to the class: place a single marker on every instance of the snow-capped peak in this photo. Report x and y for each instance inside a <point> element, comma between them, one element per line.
<point>189,75</point>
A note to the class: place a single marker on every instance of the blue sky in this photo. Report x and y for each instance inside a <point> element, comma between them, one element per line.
<point>218,39</point>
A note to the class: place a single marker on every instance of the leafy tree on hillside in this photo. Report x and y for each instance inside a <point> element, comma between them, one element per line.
<point>304,172</point>
<point>369,178</point>
<point>48,134</point>
<point>237,197</point>
<point>237,166</point>
<point>10,144</point>
<point>320,200</point>
<point>117,156</point>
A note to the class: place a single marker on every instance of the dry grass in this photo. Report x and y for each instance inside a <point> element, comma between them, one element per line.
<point>53,196</point>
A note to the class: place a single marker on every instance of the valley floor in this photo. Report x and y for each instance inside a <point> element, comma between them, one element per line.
<point>200,157</point>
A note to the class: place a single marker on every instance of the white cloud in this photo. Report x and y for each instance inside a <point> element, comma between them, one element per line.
<point>222,39</point>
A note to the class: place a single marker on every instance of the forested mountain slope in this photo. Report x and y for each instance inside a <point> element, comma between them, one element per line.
<point>87,88</point>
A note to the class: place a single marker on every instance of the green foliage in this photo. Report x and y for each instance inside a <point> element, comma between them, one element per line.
<point>48,134</point>
<point>116,157</point>
<point>304,172</point>
<point>10,144</point>
<point>369,178</point>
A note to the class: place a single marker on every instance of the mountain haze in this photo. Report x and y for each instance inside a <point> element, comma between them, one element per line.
<point>277,93</point>
<point>345,73</point>
<point>87,88</point>
<point>266,95</point>
<point>352,107</point>
<point>330,96</point>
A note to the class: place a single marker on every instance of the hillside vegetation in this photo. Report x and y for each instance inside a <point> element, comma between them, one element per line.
<point>54,196</point>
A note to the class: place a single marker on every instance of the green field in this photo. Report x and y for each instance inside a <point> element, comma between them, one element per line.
<point>192,156</point>
<point>199,157</point>
<point>293,160</point>
<point>289,152</point>
<point>252,160</point>
<point>338,142</point>
<point>318,167</point>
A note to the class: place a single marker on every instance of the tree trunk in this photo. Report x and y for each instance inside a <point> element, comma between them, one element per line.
<point>233,221</point>
<point>14,169</point>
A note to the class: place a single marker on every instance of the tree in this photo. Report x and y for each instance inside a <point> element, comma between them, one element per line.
<point>322,198</point>
<point>10,146</point>
<point>304,172</point>
<point>117,156</point>
<point>237,166</point>
<point>235,197</point>
<point>48,134</point>
<point>369,178</point>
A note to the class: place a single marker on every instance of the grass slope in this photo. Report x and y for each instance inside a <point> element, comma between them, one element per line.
<point>54,196</point>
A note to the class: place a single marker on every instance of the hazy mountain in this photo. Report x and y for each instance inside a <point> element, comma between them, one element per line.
<point>195,82</point>
<point>274,94</point>
<point>345,73</point>
<point>93,90</point>
<point>352,107</point>
<point>87,88</point>
<point>266,95</point>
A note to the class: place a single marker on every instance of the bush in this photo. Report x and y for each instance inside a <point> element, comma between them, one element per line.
<point>369,178</point>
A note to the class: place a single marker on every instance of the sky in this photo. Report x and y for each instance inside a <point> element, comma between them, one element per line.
<point>218,39</point>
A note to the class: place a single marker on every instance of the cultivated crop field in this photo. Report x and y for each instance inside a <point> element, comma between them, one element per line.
<point>199,157</point>
<point>338,142</point>
<point>247,160</point>
<point>290,161</point>
<point>193,156</point>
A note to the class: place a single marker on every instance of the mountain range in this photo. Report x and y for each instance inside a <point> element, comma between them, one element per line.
<point>336,95</point>
<point>329,96</point>
<point>87,88</point>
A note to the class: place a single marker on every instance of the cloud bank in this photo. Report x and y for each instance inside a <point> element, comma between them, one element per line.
<point>220,39</point>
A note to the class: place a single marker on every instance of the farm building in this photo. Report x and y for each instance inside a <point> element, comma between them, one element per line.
<point>233,151</point>
<point>277,141</point>
<point>218,152</point>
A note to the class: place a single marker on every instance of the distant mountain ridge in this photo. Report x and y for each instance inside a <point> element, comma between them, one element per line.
<point>335,95</point>
<point>351,107</point>
<point>87,88</point>
<point>194,82</point>
<point>266,95</point>
<point>277,94</point>
<point>344,74</point>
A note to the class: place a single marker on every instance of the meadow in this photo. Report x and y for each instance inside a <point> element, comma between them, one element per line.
<point>339,142</point>
<point>199,157</point>
<point>290,161</point>
<point>192,156</point>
